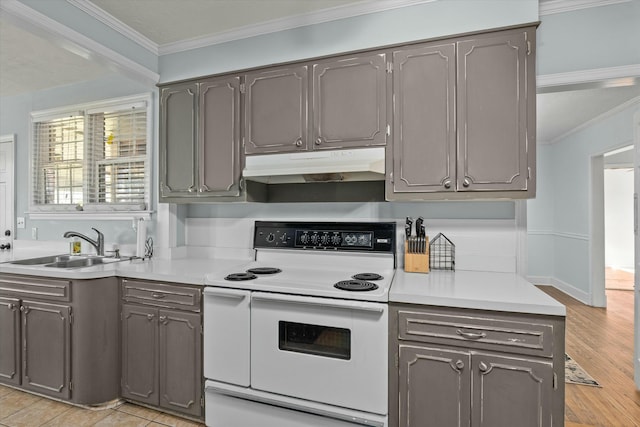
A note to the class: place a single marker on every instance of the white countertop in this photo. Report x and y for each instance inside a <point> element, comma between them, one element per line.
<point>471,289</point>
<point>461,289</point>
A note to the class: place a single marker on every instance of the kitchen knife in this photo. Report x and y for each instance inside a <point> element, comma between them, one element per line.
<point>407,232</point>
<point>420,234</point>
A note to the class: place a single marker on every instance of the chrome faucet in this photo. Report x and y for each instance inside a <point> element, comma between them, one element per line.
<point>98,243</point>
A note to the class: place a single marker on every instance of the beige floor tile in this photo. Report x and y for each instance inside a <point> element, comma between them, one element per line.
<point>5,390</point>
<point>121,419</point>
<point>138,411</point>
<point>36,414</point>
<point>14,402</point>
<point>170,420</point>
<point>78,417</point>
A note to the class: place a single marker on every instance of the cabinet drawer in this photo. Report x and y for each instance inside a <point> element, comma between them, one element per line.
<point>525,336</point>
<point>35,287</point>
<point>161,295</point>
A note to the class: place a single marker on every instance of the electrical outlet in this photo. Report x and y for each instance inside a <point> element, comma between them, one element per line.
<point>34,233</point>
<point>20,222</point>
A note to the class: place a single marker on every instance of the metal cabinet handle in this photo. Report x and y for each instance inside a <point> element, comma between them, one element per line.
<point>459,364</point>
<point>163,320</point>
<point>319,140</point>
<point>191,189</point>
<point>158,296</point>
<point>150,317</point>
<point>298,142</point>
<point>447,184</point>
<point>471,335</point>
<point>11,306</point>
<point>483,367</point>
<point>24,309</point>
<point>466,182</point>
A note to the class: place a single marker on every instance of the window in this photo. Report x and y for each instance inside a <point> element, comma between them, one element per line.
<point>92,158</point>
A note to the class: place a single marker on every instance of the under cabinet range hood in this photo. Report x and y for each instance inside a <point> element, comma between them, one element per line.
<point>358,164</point>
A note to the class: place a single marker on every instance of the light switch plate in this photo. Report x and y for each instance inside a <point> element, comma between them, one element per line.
<point>20,222</point>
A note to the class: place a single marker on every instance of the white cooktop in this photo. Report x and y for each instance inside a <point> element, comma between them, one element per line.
<point>312,274</point>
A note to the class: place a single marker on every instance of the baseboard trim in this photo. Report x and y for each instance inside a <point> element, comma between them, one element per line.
<point>565,287</point>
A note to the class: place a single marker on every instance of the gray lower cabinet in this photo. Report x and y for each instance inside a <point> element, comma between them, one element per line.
<point>464,118</point>
<point>200,140</point>
<point>474,368</point>
<point>56,345</point>
<point>162,346</point>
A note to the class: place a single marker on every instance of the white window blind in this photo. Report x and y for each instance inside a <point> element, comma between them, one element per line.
<point>95,160</point>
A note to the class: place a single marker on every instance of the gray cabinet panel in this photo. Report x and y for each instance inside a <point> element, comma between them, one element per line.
<point>492,111</point>
<point>46,348</point>
<point>434,386</point>
<point>509,391</point>
<point>178,140</point>
<point>140,353</point>
<point>10,341</point>
<point>180,361</point>
<point>424,132</point>
<point>349,102</point>
<point>276,110</point>
<point>219,145</point>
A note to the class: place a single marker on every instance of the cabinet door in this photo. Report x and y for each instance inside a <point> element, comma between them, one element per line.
<point>424,132</point>
<point>276,110</point>
<point>434,387</point>
<point>178,140</point>
<point>10,341</point>
<point>180,349</point>
<point>493,92</point>
<point>46,348</point>
<point>140,353</point>
<point>219,137</point>
<point>350,102</point>
<point>511,391</point>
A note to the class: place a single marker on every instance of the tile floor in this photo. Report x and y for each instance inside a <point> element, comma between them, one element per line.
<point>19,409</point>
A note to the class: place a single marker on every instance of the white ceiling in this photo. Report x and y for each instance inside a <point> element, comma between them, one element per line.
<point>31,62</point>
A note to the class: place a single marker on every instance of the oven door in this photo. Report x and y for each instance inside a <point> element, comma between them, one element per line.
<point>320,349</point>
<point>226,335</point>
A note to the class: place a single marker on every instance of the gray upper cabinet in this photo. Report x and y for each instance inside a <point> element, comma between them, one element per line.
<point>424,132</point>
<point>200,140</point>
<point>496,111</point>
<point>349,101</point>
<point>178,141</point>
<point>275,110</point>
<point>464,118</point>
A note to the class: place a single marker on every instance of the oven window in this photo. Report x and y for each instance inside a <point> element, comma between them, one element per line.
<point>314,339</point>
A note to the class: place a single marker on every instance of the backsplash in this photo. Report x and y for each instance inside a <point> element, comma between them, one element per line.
<point>481,244</point>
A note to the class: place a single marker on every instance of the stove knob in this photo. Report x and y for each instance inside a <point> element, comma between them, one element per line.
<point>335,239</point>
<point>283,237</point>
<point>314,239</point>
<point>270,237</point>
<point>304,239</point>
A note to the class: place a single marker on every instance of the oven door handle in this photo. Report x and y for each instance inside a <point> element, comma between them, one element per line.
<point>346,305</point>
<point>226,293</point>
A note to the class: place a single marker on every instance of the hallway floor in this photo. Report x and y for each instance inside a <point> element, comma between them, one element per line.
<point>618,279</point>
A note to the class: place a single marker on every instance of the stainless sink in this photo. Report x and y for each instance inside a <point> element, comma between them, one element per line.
<point>42,260</point>
<point>68,261</point>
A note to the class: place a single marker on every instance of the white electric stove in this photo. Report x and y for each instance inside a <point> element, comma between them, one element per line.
<point>301,332</point>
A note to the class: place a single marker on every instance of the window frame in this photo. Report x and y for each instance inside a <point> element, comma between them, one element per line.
<point>92,210</point>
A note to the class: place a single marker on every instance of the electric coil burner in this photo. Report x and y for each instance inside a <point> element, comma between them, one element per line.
<point>264,270</point>
<point>238,277</point>
<point>356,286</point>
<point>367,276</point>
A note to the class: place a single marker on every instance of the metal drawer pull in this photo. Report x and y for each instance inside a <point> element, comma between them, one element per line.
<point>459,364</point>
<point>471,335</point>
<point>150,317</point>
<point>158,296</point>
<point>483,367</point>
<point>163,320</point>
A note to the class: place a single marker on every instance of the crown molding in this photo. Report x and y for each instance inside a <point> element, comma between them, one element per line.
<point>115,24</point>
<point>290,22</point>
<point>587,76</point>
<point>74,41</point>
<point>561,6</point>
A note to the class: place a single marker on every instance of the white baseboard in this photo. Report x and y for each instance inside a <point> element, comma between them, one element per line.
<point>568,289</point>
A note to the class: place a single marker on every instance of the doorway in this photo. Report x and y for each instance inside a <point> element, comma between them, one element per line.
<point>619,219</point>
<point>7,230</point>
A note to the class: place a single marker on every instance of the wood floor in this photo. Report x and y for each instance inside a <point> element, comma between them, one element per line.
<point>601,341</point>
<point>618,279</point>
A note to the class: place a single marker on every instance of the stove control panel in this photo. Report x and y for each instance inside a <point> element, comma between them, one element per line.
<point>356,236</point>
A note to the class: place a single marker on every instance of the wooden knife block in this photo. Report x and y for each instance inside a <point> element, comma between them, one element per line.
<point>416,262</point>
